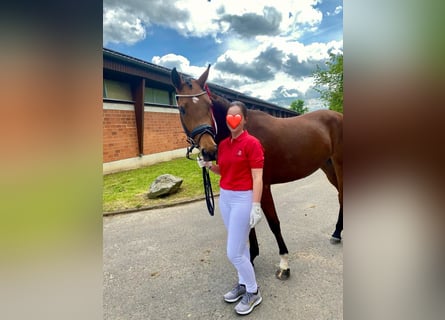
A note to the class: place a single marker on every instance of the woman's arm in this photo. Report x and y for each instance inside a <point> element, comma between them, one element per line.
<point>257,176</point>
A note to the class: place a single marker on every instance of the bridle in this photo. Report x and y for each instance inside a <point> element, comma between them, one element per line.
<point>200,130</point>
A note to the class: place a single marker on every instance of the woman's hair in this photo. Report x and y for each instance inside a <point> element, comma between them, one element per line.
<point>242,107</point>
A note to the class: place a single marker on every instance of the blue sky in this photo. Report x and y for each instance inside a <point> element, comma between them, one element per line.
<point>262,48</point>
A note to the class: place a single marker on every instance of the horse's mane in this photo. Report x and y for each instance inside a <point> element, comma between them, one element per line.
<point>220,106</point>
<point>219,102</point>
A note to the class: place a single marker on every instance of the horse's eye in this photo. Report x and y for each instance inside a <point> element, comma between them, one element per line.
<point>181,109</point>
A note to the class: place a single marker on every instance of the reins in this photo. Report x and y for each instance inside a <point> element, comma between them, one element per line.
<point>210,201</point>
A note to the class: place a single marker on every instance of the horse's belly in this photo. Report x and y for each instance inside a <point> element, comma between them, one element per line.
<point>287,173</point>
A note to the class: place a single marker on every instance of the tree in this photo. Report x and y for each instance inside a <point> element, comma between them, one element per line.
<point>298,106</point>
<point>330,82</point>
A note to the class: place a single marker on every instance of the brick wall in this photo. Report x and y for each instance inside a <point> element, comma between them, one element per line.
<point>162,132</point>
<point>119,135</point>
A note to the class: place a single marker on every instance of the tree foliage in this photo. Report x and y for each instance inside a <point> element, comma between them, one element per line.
<point>329,82</point>
<point>298,106</point>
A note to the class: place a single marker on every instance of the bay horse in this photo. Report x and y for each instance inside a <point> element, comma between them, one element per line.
<point>294,147</point>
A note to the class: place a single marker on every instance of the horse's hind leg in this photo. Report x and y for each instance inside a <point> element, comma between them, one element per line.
<point>337,161</point>
<point>268,207</point>
<point>336,180</point>
<point>336,236</point>
<point>253,245</point>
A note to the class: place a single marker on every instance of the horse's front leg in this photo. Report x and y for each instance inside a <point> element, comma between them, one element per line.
<point>268,207</point>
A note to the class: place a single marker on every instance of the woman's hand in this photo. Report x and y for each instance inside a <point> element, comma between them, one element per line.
<point>256,214</point>
<point>202,163</point>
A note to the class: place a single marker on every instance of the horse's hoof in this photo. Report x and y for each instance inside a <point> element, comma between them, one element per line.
<point>335,240</point>
<point>283,274</point>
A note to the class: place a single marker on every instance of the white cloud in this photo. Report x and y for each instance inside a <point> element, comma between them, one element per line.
<point>312,51</point>
<point>127,22</point>
<point>320,51</point>
<point>201,18</point>
<point>120,26</point>
<point>172,60</point>
<point>181,63</point>
<point>337,10</point>
<point>314,104</point>
<point>265,89</point>
<point>246,55</point>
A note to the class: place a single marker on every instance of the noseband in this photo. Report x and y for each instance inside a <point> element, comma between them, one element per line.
<point>200,130</point>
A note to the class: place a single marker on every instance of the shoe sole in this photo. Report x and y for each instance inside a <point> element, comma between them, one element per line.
<point>233,300</point>
<point>251,308</point>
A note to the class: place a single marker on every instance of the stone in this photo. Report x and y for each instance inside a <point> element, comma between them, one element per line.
<point>164,185</point>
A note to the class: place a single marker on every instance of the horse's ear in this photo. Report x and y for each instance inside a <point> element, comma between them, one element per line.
<point>176,79</point>
<point>203,78</point>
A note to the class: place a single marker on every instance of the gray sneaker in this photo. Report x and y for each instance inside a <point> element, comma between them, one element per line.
<point>248,302</point>
<point>235,294</point>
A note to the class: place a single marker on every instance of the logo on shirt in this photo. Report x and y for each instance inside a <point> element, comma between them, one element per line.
<point>239,153</point>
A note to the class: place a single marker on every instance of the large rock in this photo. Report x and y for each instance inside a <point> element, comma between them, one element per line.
<point>164,185</point>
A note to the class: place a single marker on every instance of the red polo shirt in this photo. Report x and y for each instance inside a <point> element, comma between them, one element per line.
<point>236,158</point>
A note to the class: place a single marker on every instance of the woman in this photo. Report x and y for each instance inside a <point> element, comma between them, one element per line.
<point>240,164</point>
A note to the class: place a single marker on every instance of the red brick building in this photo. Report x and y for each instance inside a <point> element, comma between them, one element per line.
<point>141,123</point>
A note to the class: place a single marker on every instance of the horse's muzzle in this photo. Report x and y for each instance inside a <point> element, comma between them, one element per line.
<point>209,154</point>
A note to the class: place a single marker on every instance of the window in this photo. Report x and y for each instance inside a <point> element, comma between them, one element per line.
<point>117,90</point>
<point>158,96</point>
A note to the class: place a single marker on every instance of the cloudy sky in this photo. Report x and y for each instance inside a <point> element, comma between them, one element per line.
<point>265,49</point>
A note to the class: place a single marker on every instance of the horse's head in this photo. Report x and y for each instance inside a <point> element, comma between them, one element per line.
<point>195,110</point>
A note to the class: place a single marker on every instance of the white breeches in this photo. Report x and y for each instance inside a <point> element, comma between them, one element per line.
<point>235,210</point>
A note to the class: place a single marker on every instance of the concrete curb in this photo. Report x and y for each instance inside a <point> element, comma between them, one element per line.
<point>158,206</point>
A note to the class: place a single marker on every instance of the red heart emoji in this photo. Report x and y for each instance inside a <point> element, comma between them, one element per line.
<point>233,120</point>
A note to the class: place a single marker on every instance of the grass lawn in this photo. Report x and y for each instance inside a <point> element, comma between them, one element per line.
<point>128,190</point>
